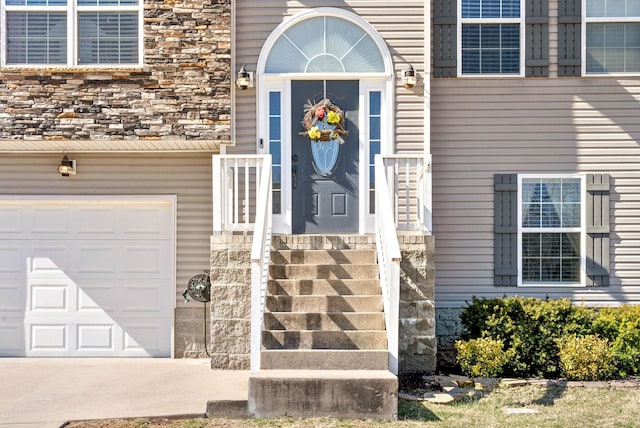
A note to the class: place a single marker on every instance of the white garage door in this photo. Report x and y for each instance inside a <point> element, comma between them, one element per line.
<point>90,278</point>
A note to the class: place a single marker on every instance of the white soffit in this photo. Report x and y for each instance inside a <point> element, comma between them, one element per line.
<point>78,146</point>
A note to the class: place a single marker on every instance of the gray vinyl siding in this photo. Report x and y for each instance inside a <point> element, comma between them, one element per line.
<point>186,175</point>
<point>482,127</point>
<point>400,23</point>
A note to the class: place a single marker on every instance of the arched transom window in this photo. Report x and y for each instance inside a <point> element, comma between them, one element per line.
<point>325,44</point>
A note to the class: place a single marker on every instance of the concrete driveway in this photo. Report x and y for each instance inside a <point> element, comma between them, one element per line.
<point>46,392</point>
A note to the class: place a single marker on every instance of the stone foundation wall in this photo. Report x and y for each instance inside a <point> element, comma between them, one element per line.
<point>417,347</point>
<point>190,331</point>
<point>230,301</point>
<point>448,330</point>
<point>183,89</point>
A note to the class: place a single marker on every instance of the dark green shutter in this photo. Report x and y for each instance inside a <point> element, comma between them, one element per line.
<point>537,38</point>
<point>569,37</point>
<point>505,229</point>
<point>445,50</point>
<point>597,230</point>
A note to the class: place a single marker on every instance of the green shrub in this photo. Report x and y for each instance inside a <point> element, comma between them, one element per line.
<point>482,357</point>
<point>622,327</point>
<point>586,357</point>
<point>528,328</point>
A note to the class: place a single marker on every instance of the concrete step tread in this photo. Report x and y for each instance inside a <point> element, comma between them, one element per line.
<point>324,359</point>
<point>285,257</point>
<point>323,339</point>
<point>325,304</point>
<point>324,287</point>
<point>323,271</point>
<point>324,374</point>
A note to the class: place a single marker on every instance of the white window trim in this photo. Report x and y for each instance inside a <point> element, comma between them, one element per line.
<point>72,10</point>
<point>461,21</point>
<point>583,34</point>
<point>582,230</point>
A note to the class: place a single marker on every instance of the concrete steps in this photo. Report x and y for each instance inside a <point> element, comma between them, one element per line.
<point>324,339</point>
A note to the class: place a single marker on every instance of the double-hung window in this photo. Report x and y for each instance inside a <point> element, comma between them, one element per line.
<point>491,37</point>
<point>551,230</point>
<point>612,34</point>
<point>71,32</point>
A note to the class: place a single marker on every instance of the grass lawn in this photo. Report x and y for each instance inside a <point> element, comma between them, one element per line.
<point>555,407</point>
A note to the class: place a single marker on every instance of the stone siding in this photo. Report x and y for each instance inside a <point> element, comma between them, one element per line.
<point>182,91</point>
<point>448,330</point>
<point>417,341</point>
<point>230,301</point>
<point>190,331</point>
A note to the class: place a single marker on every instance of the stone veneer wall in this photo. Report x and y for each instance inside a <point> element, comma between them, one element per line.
<point>182,91</point>
<point>230,301</point>
<point>417,342</point>
<point>448,330</point>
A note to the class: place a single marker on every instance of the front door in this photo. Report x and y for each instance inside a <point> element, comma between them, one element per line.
<point>324,174</point>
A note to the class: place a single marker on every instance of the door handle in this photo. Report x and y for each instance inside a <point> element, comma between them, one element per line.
<point>294,177</point>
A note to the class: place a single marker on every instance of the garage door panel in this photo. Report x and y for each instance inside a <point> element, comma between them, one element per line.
<point>11,259</point>
<point>86,278</point>
<point>12,296</point>
<point>96,338</point>
<point>47,259</point>
<point>50,298</point>
<point>11,220</point>
<point>49,337</point>
<point>143,222</point>
<point>144,338</point>
<point>94,298</point>
<point>12,337</point>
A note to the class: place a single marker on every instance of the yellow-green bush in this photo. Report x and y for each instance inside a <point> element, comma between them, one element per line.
<point>482,357</point>
<point>622,327</point>
<point>587,357</point>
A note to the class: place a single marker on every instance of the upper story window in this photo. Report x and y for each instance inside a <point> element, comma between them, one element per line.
<point>551,230</point>
<point>491,37</point>
<point>612,30</point>
<point>71,32</point>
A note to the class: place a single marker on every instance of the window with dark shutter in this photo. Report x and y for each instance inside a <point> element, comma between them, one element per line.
<point>551,208</point>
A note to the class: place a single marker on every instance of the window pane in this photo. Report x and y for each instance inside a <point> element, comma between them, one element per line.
<point>613,47</point>
<point>36,38</point>
<point>491,49</point>
<point>274,128</point>
<point>550,257</point>
<point>375,102</point>
<point>470,8</point>
<point>108,38</point>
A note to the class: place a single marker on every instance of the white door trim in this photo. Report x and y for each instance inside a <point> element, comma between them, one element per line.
<point>266,83</point>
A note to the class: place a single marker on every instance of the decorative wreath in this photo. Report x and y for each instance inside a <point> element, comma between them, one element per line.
<point>323,121</point>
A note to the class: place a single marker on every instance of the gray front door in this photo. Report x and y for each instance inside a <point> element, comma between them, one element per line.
<point>325,199</point>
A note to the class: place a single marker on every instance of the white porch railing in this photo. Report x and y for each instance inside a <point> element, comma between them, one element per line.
<point>242,186</point>
<point>402,203</point>
<point>236,183</point>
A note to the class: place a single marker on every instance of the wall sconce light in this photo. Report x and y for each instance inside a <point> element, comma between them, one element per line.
<point>67,167</point>
<point>409,77</point>
<point>244,79</point>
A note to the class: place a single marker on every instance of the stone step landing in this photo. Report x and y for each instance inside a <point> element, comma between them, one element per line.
<point>352,394</point>
<point>320,359</point>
